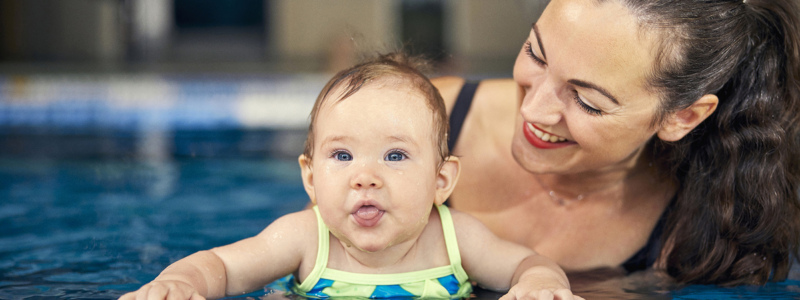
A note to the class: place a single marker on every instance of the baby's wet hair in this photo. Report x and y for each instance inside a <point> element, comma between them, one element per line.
<point>395,68</point>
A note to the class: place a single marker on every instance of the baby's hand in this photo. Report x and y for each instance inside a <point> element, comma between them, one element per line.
<point>541,284</point>
<point>164,289</point>
<point>562,294</point>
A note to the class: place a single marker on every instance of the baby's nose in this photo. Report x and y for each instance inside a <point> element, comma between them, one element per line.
<point>366,177</point>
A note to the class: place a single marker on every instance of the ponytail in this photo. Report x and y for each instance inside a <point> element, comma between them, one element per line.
<point>736,216</point>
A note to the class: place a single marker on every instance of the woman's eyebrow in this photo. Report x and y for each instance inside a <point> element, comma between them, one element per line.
<point>577,82</point>
<point>593,86</point>
<point>538,39</point>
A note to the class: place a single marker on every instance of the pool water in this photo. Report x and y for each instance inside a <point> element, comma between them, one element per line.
<point>97,225</point>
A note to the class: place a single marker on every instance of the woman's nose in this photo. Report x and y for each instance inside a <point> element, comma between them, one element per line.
<point>542,104</point>
<point>366,176</point>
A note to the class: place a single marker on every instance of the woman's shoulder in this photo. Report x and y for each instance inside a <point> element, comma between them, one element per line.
<point>493,96</point>
<point>449,87</point>
<point>497,99</point>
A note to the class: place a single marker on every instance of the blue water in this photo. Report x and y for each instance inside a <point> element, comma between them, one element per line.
<point>92,217</point>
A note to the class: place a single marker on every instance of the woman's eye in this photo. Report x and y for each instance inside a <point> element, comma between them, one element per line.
<point>585,107</point>
<point>343,156</point>
<point>395,156</point>
<point>529,51</point>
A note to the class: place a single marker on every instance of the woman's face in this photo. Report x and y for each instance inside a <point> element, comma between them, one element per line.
<point>584,102</point>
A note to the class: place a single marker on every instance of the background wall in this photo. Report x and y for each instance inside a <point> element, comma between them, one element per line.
<point>102,75</point>
<point>465,36</point>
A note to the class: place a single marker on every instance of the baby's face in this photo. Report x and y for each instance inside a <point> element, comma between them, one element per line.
<point>375,166</point>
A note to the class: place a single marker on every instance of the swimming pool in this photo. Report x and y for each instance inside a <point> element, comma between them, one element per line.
<point>94,227</point>
<point>98,197</point>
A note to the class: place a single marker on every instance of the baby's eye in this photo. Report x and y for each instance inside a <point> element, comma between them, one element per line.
<point>395,156</point>
<point>343,156</point>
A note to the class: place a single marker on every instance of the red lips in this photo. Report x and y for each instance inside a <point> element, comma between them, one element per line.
<point>539,143</point>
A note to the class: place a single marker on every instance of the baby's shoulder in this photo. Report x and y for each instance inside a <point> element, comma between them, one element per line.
<point>305,215</point>
<point>299,224</point>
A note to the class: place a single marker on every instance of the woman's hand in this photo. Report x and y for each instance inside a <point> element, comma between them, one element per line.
<point>164,289</point>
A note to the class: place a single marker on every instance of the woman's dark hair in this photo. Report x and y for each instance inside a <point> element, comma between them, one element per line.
<point>736,217</point>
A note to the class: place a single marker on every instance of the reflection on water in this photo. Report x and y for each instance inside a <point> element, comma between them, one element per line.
<point>612,284</point>
<point>605,284</point>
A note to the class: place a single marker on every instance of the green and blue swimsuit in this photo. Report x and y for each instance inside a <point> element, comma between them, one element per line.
<point>448,282</point>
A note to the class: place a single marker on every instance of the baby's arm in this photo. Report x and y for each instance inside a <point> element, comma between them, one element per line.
<point>238,268</point>
<point>501,265</point>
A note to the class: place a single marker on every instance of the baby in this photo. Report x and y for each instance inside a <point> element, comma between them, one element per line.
<point>376,167</point>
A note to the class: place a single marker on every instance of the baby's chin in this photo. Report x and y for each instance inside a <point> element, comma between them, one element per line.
<point>375,245</point>
<point>364,244</point>
<point>368,247</point>
<point>372,248</point>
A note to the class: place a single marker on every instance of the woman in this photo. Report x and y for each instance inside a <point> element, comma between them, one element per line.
<point>641,133</point>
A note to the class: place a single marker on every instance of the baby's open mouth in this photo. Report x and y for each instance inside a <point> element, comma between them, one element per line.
<point>367,215</point>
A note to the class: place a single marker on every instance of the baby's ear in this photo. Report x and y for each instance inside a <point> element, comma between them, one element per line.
<point>308,176</point>
<point>446,179</point>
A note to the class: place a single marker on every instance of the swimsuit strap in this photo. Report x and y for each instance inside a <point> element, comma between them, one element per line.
<point>451,243</point>
<point>647,255</point>
<point>459,112</point>
<point>323,248</point>
<point>443,282</point>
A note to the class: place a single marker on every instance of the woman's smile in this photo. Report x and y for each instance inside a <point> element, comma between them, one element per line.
<point>542,139</point>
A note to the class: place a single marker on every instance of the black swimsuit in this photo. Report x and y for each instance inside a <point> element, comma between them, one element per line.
<point>644,258</point>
